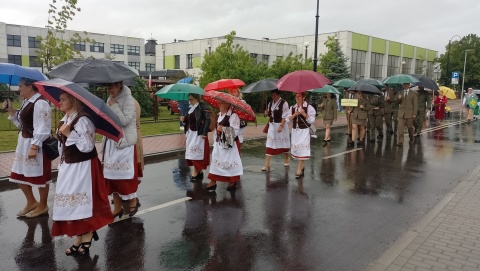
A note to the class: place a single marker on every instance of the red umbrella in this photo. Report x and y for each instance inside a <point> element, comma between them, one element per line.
<point>241,108</point>
<point>301,81</point>
<point>225,84</point>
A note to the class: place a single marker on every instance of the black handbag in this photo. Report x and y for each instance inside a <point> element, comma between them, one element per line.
<point>50,147</point>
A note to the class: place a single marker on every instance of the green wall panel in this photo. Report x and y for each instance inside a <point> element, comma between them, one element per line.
<point>431,55</point>
<point>359,42</point>
<point>394,48</point>
<point>197,61</point>
<point>169,62</point>
<point>379,46</point>
<point>25,61</point>
<point>408,51</point>
<point>420,53</point>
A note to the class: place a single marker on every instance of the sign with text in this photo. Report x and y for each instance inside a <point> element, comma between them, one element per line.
<point>455,78</point>
<point>349,102</point>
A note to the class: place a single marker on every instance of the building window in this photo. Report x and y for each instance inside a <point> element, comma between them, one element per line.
<point>357,66</point>
<point>116,49</point>
<point>15,59</point>
<point>376,66</point>
<point>429,69</point>
<point>14,40</point>
<point>254,56</point>
<point>135,65</point>
<point>33,42</point>
<point>393,65</point>
<point>97,47</point>
<point>79,46</point>
<point>133,50</point>
<point>265,59</point>
<point>33,62</point>
<point>149,67</point>
<point>419,66</point>
<point>190,61</point>
<point>177,62</point>
<point>407,65</point>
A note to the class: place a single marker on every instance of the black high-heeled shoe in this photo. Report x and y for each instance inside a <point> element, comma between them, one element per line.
<point>197,177</point>
<point>301,174</point>
<point>135,210</point>
<point>73,250</point>
<point>211,188</point>
<point>86,245</point>
<point>119,214</point>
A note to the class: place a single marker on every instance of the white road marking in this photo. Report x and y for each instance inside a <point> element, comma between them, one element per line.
<point>342,153</point>
<point>151,209</point>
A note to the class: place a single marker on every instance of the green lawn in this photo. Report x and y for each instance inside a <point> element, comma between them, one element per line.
<point>166,124</point>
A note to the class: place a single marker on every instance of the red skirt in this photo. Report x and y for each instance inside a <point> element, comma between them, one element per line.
<point>227,179</point>
<point>101,213</point>
<point>126,187</point>
<point>39,181</point>
<point>273,152</point>
<point>201,164</point>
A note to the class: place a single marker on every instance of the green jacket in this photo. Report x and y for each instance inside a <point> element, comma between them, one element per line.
<point>424,101</point>
<point>329,109</point>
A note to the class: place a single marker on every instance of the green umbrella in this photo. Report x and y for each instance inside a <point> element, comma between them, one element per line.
<point>179,91</point>
<point>326,89</point>
<point>344,83</point>
<point>400,79</point>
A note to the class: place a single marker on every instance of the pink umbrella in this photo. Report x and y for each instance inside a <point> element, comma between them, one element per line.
<point>301,81</point>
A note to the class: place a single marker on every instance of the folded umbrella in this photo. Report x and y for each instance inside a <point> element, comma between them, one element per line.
<point>241,108</point>
<point>105,120</point>
<point>93,71</point>
<point>179,91</point>
<point>301,81</point>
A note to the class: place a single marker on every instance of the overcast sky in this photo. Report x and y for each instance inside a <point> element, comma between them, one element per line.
<point>425,23</point>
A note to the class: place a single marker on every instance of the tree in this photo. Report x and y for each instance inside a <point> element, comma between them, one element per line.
<point>228,61</point>
<point>55,48</point>
<point>455,56</point>
<point>333,64</point>
<point>291,63</point>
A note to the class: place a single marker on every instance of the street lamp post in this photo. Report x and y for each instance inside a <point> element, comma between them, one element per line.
<point>463,74</point>
<point>315,53</point>
<point>306,44</point>
<point>448,58</point>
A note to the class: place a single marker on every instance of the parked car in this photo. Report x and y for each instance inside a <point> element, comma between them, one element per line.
<point>173,107</point>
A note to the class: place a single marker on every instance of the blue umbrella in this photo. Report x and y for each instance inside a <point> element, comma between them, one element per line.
<point>105,120</point>
<point>186,80</point>
<point>10,74</point>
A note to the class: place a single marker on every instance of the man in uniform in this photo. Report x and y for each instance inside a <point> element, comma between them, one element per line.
<point>349,95</point>
<point>395,105</point>
<point>375,116</point>
<point>407,111</point>
<point>390,100</point>
<point>424,104</point>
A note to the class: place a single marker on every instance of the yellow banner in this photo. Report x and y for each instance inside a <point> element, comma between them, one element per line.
<point>349,102</point>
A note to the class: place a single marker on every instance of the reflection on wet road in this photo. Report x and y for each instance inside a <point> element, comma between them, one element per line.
<point>351,204</point>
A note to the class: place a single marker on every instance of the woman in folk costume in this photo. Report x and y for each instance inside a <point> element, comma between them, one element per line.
<point>196,124</point>
<point>226,165</point>
<point>278,136</point>
<point>236,93</point>
<point>329,107</point>
<point>120,159</point>
<point>302,115</point>
<point>81,204</point>
<point>139,145</point>
<point>440,103</point>
<point>31,167</point>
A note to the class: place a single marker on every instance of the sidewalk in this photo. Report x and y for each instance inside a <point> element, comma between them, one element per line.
<point>446,238</point>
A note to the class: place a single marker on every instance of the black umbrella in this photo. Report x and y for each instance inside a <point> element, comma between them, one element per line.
<point>373,82</point>
<point>366,88</point>
<point>93,71</point>
<point>106,121</point>
<point>260,86</point>
<point>425,82</point>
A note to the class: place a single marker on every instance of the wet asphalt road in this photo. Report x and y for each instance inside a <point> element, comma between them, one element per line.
<point>342,215</point>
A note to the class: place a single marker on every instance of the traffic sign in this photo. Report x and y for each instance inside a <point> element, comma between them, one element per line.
<point>455,78</point>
